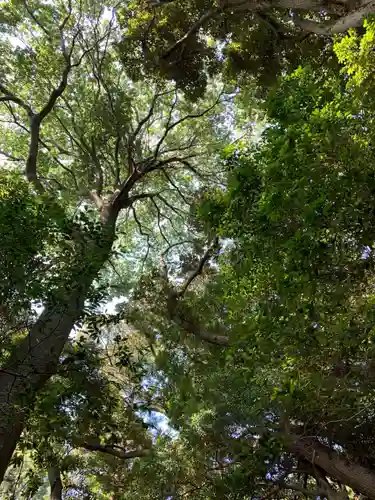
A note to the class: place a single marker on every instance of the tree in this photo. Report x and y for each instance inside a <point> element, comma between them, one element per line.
<point>98,151</point>
<point>244,271</point>
<point>88,408</point>
<point>286,405</point>
<point>187,42</point>
<point>299,277</point>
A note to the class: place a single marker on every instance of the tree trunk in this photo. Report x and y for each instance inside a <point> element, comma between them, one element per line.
<point>55,483</point>
<point>335,465</point>
<point>35,359</point>
<point>324,485</point>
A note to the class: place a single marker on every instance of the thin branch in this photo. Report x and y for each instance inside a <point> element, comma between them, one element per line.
<point>150,112</point>
<point>36,20</point>
<point>100,181</point>
<point>182,314</point>
<point>181,120</point>
<point>146,253</point>
<point>176,210</point>
<point>23,127</point>
<point>158,219</point>
<point>60,148</point>
<point>312,26</point>
<point>169,248</point>
<point>10,156</point>
<point>138,222</point>
<point>174,185</point>
<point>171,109</point>
<point>67,17</point>
<point>69,134</point>
<point>117,161</point>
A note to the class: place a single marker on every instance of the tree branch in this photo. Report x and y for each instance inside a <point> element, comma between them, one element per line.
<point>169,248</point>
<point>294,487</point>
<point>207,255</point>
<point>9,96</point>
<point>353,19</point>
<point>125,455</point>
<point>195,27</point>
<point>181,313</point>
<point>189,116</point>
<point>312,26</point>
<point>138,222</point>
<point>10,156</point>
<point>36,20</point>
<point>37,118</point>
<point>142,196</point>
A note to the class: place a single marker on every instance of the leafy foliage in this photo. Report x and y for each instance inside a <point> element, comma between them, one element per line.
<point>187,311</point>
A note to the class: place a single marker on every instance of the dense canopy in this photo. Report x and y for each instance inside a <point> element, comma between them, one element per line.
<point>187,225</point>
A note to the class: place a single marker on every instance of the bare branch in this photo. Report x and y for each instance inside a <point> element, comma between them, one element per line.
<point>36,119</point>
<point>353,19</point>
<point>312,26</point>
<point>69,134</point>
<point>145,119</point>
<point>45,145</point>
<point>100,181</point>
<point>117,161</point>
<point>146,253</point>
<point>171,109</point>
<point>184,318</point>
<point>56,93</point>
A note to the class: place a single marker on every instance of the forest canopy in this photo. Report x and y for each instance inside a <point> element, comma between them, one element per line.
<point>187,226</point>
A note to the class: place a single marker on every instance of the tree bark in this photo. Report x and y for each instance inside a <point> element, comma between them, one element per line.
<point>353,19</point>
<point>116,452</point>
<point>335,465</point>
<point>55,482</point>
<point>35,359</point>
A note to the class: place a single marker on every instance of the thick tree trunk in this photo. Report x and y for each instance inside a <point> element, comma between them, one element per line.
<point>33,362</point>
<point>35,359</point>
<point>335,465</point>
<point>55,483</point>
